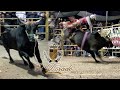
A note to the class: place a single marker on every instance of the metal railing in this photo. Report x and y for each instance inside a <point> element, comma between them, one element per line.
<point>101,50</point>
<point>46,24</point>
<point>47,27</point>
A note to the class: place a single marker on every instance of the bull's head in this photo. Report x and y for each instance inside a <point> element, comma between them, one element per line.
<point>103,41</point>
<point>31,26</point>
<point>108,42</point>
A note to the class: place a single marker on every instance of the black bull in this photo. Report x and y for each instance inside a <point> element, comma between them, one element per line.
<point>17,39</point>
<point>92,45</point>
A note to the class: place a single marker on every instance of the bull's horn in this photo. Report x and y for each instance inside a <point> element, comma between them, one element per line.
<point>39,20</point>
<point>23,22</point>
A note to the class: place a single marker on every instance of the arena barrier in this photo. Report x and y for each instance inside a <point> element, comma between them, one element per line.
<point>46,24</point>
<point>113,31</point>
<point>104,31</point>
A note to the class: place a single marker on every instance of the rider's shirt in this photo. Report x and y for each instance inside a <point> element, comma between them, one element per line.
<point>69,24</point>
<point>85,20</point>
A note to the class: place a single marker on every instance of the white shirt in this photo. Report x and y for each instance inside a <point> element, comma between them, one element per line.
<point>21,15</point>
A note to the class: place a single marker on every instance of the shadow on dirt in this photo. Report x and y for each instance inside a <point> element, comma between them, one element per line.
<point>105,62</point>
<point>5,57</point>
<point>37,71</point>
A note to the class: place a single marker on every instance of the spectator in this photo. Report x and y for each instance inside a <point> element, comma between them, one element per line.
<point>41,29</point>
<point>11,21</point>
<point>99,24</point>
<point>52,26</point>
<point>65,52</point>
<point>119,22</point>
<point>15,20</point>
<point>2,16</point>
<point>32,15</point>
<point>85,54</point>
<point>8,21</point>
<point>112,23</point>
<point>77,53</point>
<point>57,23</point>
<point>21,15</point>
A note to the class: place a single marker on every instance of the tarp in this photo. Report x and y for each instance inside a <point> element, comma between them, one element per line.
<point>100,15</point>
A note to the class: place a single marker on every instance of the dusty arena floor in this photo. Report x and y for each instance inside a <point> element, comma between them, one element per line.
<point>66,68</point>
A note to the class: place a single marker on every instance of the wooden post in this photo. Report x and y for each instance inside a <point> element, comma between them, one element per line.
<point>47,26</point>
<point>0,28</point>
<point>106,17</point>
<point>62,42</point>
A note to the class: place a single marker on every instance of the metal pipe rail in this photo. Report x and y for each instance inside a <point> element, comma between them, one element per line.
<point>63,45</point>
<point>58,29</point>
<point>73,50</point>
<point>57,34</point>
<point>18,18</point>
<point>18,25</point>
<point>46,24</point>
<point>70,45</point>
<point>40,33</point>
<point>116,25</point>
<point>23,18</point>
<point>23,11</point>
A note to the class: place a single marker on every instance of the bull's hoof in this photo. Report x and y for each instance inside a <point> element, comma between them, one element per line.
<point>31,66</point>
<point>44,70</point>
<point>11,61</point>
<point>97,61</point>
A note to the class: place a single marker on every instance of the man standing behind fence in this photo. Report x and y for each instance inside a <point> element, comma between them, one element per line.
<point>21,15</point>
<point>41,29</point>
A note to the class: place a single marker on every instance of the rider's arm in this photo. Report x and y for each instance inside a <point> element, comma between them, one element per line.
<point>70,26</point>
<point>89,23</point>
<point>74,24</point>
<point>66,25</point>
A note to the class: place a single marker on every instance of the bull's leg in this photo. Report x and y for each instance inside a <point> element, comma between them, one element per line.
<point>21,55</point>
<point>93,55</point>
<point>27,57</point>
<point>8,51</point>
<point>99,56</point>
<point>37,53</point>
<point>30,63</point>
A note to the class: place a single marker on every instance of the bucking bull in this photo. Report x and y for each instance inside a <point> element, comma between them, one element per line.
<point>17,39</point>
<point>90,42</point>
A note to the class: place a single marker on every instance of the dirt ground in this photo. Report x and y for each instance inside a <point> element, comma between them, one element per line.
<point>67,68</point>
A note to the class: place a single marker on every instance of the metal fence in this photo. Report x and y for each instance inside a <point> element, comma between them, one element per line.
<point>46,24</point>
<point>104,51</point>
<point>101,30</point>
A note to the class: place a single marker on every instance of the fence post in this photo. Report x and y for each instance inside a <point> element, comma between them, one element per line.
<point>62,43</point>
<point>47,25</point>
<point>0,28</point>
